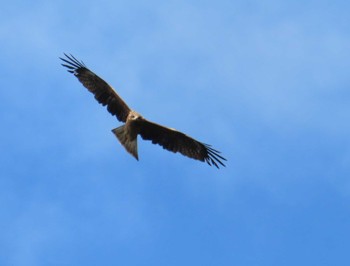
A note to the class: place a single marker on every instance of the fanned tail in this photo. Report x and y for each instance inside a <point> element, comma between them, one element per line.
<point>129,145</point>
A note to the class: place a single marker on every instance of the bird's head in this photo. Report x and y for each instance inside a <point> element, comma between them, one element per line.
<point>134,116</point>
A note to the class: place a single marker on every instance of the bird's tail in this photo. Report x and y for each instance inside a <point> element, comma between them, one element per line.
<point>129,145</point>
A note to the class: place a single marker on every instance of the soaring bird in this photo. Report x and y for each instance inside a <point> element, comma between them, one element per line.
<point>135,124</point>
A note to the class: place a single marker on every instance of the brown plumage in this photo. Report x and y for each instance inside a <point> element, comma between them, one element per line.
<point>135,124</point>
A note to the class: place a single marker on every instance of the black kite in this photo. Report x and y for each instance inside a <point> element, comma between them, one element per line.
<point>135,124</point>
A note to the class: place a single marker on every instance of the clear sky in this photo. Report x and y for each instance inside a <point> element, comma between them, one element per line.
<point>265,82</point>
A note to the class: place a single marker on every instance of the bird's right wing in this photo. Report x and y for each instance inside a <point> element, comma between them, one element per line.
<point>103,92</point>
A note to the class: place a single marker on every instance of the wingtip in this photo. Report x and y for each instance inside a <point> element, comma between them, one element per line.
<point>72,61</point>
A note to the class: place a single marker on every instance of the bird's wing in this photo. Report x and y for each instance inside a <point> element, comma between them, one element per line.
<point>103,92</point>
<point>176,141</point>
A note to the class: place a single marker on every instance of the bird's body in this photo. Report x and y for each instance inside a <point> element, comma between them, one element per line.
<point>127,134</point>
<point>135,124</point>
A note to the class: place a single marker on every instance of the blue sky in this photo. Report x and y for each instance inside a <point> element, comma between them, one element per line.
<point>265,82</point>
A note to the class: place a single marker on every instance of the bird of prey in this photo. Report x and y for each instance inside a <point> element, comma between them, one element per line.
<point>135,124</point>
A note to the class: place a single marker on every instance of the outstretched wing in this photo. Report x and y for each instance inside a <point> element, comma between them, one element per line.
<point>103,92</point>
<point>176,141</point>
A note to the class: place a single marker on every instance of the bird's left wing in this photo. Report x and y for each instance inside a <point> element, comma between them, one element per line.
<point>177,141</point>
<point>103,92</point>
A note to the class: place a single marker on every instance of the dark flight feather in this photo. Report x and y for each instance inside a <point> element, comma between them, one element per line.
<point>103,92</point>
<point>176,141</point>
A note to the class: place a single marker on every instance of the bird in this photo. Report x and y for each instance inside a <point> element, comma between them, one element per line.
<point>135,124</point>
